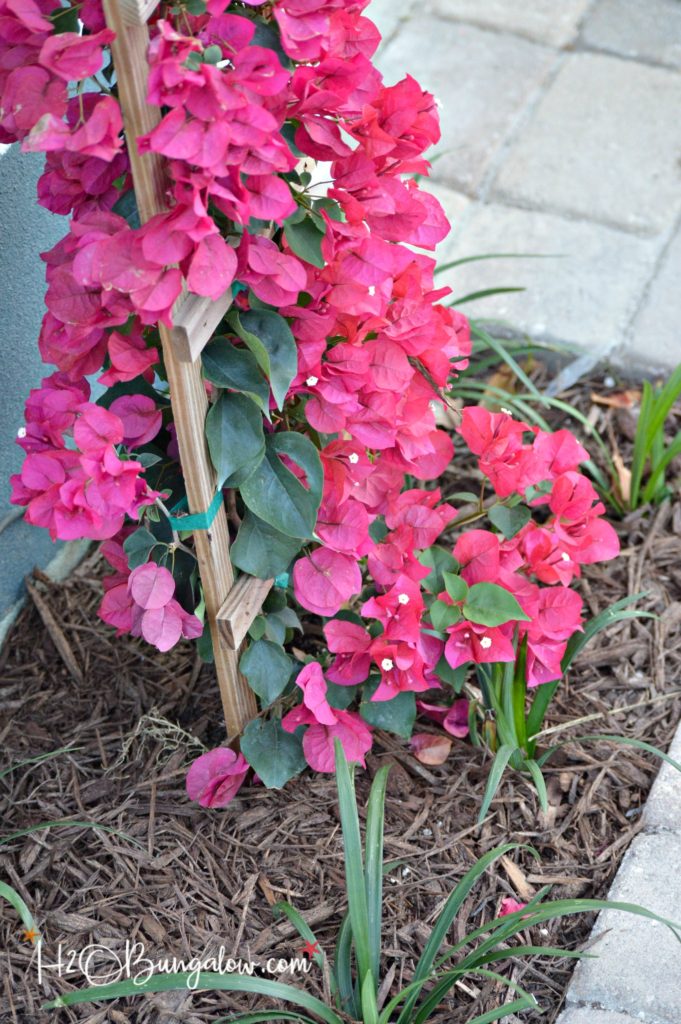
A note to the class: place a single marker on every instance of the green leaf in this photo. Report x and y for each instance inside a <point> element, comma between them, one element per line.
<point>305,239</point>
<point>373,867</point>
<point>454,677</point>
<point>276,495</point>
<point>257,629</point>
<point>444,615</point>
<point>262,551</point>
<point>13,898</point>
<point>509,520</point>
<point>126,207</point>
<point>236,439</point>
<point>138,547</point>
<point>267,668</point>
<point>501,759</point>
<point>274,754</point>
<point>205,980</point>
<point>235,368</point>
<point>65,19</point>
<point>491,605</point>
<point>483,294</point>
<point>269,338</point>
<point>456,586</point>
<point>330,207</point>
<point>354,863</point>
<point>440,561</point>
<point>397,715</point>
<point>212,55</point>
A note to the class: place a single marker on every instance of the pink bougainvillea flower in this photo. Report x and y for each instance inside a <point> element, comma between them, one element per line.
<point>140,417</point>
<point>324,580</point>
<point>509,905</point>
<point>453,720</point>
<point>129,358</point>
<point>326,724</point>
<point>151,586</point>
<point>350,643</point>
<point>477,551</point>
<point>73,57</point>
<point>216,777</point>
<point>468,641</point>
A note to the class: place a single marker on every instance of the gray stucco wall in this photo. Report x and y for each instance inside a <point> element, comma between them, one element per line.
<point>25,230</point>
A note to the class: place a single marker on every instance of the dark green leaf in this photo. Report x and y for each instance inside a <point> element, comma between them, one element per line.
<point>276,495</point>
<point>491,605</point>
<point>340,697</point>
<point>65,19</point>
<point>269,338</point>
<point>274,754</point>
<point>509,520</point>
<point>257,630</point>
<point>456,586</point>
<point>267,668</point>
<point>443,615</point>
<point>236,439</point>
<point>330,206</point>
<point>305,239</point>
<point>440,561</point>
<point>397,715</point>
<point>454,677</point>
<point>126,206</point>
<point>212,54</point>
<point>235,368</point>
<point>262,551</point>
<point>138,546</point>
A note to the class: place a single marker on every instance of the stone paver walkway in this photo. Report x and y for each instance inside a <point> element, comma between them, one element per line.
<point>561,135</point>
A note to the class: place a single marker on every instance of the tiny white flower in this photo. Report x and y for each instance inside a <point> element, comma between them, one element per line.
<point>387,664</point>
<point>311,381</point>
<point>353,457</point>
<point>372,290</point>
<point>564,555</point>
<point>485,642</point>
<point>507,411</point>
<point>403,598</point>
<point>466,636</point>
<point>21,432</point>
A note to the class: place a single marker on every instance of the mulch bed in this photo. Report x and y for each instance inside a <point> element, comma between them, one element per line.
<point>198,880</point>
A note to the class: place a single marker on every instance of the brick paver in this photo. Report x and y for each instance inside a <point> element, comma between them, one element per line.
<point>586,295</point>
<point>604,144</point>
<point>543,20</point>
<point>648,30</point>
<point>657,327</point>
<point>483,81</point>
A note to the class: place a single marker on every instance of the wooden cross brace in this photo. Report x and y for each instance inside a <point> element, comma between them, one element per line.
<point>230,607</point>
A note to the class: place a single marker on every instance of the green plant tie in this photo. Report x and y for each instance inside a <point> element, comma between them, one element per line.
<point>197,521</point>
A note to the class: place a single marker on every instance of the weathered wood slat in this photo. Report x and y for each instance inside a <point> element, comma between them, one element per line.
<point>243,603</point>
<point>194,322</point>
<point>137,12</point>
<point>188,395</point>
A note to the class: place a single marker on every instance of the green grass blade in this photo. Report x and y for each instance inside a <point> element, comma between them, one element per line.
<point>342,968</point>
<point>513,952</point>
<point>501,759</point>
<point>368,998</point>
<point>630,741</point>
<point>444,922</point>
<point>642,442</point>
<point>615,613</point>
<point>37,760</point>
<point>540,785</point>
<point>504,1011</point>
<point>504,354</point>
<point>373,870</point>
<point>207,981</point>
<point>494,256</point>
<point>66,823</point>
<point>659,467</point>
<point>484,293</point>
<point>543,695</point>
<point>301,926</point>
<point>265,1017</point>
<point>13,897</point>
<point>434,998</point>
<point>354,866</point>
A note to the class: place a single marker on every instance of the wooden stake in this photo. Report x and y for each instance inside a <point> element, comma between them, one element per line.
<point>187,392</point>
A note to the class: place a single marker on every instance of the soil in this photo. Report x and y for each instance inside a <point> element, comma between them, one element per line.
<point>184,881</point>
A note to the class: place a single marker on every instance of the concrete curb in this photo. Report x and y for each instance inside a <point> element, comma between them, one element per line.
<point>636,974</point>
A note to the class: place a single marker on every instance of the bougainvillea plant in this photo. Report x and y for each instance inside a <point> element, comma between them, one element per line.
<point>325,377</point>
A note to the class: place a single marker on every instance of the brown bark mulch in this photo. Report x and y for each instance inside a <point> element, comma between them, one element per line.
<point>195,880</point>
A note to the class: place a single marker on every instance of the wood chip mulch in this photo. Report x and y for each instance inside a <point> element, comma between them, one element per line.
<point>195,880</point>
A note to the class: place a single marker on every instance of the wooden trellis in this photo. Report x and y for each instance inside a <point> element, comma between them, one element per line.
<point>230,607</point>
